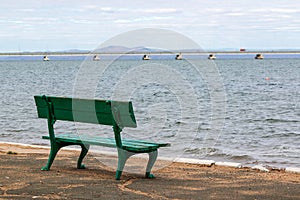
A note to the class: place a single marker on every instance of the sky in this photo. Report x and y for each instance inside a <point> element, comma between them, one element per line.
<point>47,25</point>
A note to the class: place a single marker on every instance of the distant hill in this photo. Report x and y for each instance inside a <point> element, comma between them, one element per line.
<point>122,49</point>
<point>112,49</point>
<point>76,51</point>
<point>140,49</point>
<point>146,50</point>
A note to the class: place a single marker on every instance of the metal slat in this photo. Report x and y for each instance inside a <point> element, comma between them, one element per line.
<point>134,145</point>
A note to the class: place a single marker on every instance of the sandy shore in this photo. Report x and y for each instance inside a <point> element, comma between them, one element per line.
<point>21,178</point>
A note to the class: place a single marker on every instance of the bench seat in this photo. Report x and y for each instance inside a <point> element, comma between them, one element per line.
<point>136,146</point>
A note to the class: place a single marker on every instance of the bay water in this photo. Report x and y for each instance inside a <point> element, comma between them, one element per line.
<point>259,118</point>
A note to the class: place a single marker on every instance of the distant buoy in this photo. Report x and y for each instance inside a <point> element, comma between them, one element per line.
<point>45,58</point>
<point>211,57</point>
<point>259,56</point>
<point>146,57</point>
<point>178,57</point>
<point>96,58</point>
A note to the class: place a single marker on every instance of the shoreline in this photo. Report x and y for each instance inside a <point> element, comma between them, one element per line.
<point>21,178</point>
<point>28,148</point>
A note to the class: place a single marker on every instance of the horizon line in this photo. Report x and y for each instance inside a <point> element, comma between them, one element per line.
<point>86,52</point>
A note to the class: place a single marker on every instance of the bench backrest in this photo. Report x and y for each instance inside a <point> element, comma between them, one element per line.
<point>104,112</point>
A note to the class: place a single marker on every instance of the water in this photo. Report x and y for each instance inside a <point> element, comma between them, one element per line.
<point>261,123</point>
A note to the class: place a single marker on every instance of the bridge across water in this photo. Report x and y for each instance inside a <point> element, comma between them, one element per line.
<point>143,53</point>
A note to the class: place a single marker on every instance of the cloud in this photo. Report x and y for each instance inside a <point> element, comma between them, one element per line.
<point>161,11</point>
<point>142,19</point>
<point>275,10</point>
<point>228,20</point>
<point>235,14</point>
<point>26,10</point>
<point>123,21</point>
<point>107,9</point>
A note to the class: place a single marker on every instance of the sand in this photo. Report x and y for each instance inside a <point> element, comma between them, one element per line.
<point>21,178</point>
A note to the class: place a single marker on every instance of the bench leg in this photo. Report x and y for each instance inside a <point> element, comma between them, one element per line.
<point>84,151</point>
<point>122,158</point>
<point>55,147</point>
<point>152,159</point>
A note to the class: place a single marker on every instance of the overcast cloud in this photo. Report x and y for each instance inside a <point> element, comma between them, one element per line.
<point>58,25</point>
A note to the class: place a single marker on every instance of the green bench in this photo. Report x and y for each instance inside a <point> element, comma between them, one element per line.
<point>113,113</point>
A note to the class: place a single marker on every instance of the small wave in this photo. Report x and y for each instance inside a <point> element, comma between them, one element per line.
<point>201,150</point>
<point>6,134</point>
<point>215,153</point>
<point>280,135</point>
<point>272,120</point>
<point>161,93</point>
<point>240,157</point>
<point>15,130</point>
<point>180,122</point>
<point>40,143</point>
<point>168,135</point>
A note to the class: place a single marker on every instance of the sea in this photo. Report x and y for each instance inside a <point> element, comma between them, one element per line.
<point>234,108</point>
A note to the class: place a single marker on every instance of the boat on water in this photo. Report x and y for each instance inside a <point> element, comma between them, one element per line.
<point>178,57</point>
<point>96,58</point>
<point>45,58</point>
<point>146,57</point>
<point>212,57</point>
<point>259,56</point>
